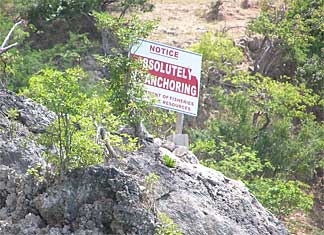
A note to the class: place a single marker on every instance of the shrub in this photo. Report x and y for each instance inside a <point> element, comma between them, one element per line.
<point>238,161</point>
<point>270,118</point>
<point>263,135</point>
<point>312,74</point>
<point>125,86</point>
<point>296,24</point>
<point>76,136</point>
<point>219,50</point>
<point>281,197</point>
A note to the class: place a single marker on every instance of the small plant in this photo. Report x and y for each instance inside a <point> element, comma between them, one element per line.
<point>13,115</point>
<point>36,172</point>
<point>151,182</point>
<point>125,142</point>
<point>168,227</point>
<point>152,179</point>
<point>169,162</point>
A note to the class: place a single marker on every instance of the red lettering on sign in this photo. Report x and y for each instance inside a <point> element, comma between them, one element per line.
<point>164,51</point>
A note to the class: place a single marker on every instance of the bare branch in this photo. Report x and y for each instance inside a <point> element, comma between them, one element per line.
<point>259,114</point>
<point>3,47</point>
<point>266,123</point>
<point>103,135</point>
<point>3,50</point>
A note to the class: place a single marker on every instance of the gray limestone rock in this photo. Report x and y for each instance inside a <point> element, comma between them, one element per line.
<point>32,115</point>
<point>111,200</point>
<point>18,148</point>
<point>186,155</point>
<point>203,201</point>
<point>114,199</point>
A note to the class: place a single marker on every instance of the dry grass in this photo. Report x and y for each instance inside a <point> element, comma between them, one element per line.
<point>181,23</point>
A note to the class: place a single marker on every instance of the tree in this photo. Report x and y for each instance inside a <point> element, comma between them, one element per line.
<point>79,136</point>
<point>40,12</point>
<point>61,94</point>
<point>125,85</point>
<point>263,136</point>
<point>270,117</point>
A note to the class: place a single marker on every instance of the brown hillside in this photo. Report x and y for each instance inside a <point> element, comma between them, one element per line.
<point>183,22</point>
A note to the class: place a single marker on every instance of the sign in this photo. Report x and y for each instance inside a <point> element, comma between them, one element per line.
<point>173,75</point>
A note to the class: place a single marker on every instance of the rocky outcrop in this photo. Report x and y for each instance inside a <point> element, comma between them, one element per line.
<point>115,199</point>
<point>202,201</point>
<point>20,120</point>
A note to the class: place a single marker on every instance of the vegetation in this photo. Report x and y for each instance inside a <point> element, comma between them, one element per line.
<point>263,134</point>
<point>268,132</point>
<point>168,161</point>
<point>296,24</point>
<point>13,115</point>
<point>151,183</point>
<point>124,88</point>
<point>280,196</point>
<point>74,134</point>
<point>85,107</point>
<point>168,227</point>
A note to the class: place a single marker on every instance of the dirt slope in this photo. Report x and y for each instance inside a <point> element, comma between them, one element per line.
<point>183,22</point>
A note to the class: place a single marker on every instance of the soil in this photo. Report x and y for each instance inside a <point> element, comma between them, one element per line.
<point>183,22</point>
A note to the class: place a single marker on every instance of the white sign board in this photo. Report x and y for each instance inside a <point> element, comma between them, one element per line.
<point>174,75</point>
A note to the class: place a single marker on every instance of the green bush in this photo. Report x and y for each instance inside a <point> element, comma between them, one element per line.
<point>125,86</point>
<point>220,50</point>
<point>42,13</point>
<point>238,161</point>
<point>74,133</point>
<point>263,135</point>
<point>312,74</point>
<point>62,56</point>
<point>281,197</point>
<point>262,114</point>
<point>296,24</point>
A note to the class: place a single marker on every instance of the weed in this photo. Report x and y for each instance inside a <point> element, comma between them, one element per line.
<point>167,227</point>
<point>169,162</point>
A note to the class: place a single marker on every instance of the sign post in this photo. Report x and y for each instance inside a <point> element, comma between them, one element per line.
<point>179,123</point>
<point>173,79</point>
